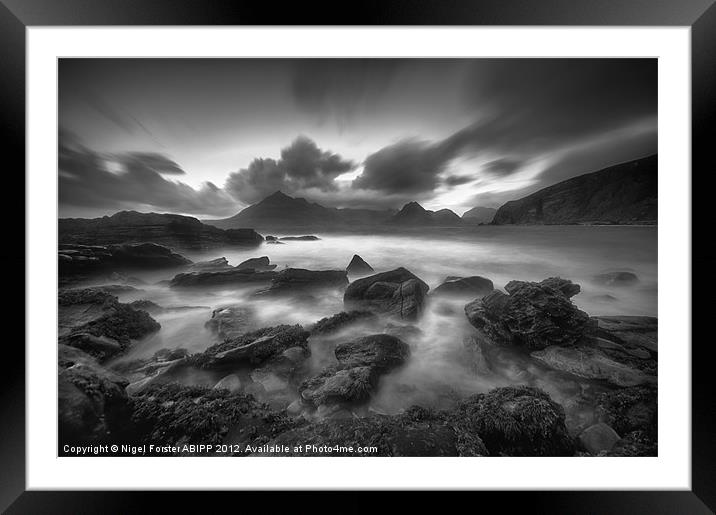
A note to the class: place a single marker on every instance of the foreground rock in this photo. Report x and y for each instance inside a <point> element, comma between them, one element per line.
<point>397,293</point>
<point>515,421</point>
<point>176,231</point>
<point>629,409</point>
<point>353,380</point>
<point>341,321</point>
<point>531,315</point>
<point>73,258</point>
<point>473,287</point>
<point>299,280</point>
<point>633,332</point>
<point>232,321</point>
<point>418,432</point>
<point>92,402</point>
<point>93,320</point>
<point>233,277</point>
<point>260,264</point>
<point>359,267</point>
<point>176,415</point>
<point>598,437</point>
<point>215,264</point>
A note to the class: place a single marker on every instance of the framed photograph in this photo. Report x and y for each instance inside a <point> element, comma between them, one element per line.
<point>421,249</point>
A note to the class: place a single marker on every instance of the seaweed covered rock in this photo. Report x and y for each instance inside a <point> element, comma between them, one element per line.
<point>515,421</point>
<point>396,293</point>
<point>172,414</point>
<point>629,409</point>
<point>636,443</point>
<point>531,315</point>
<point>381,352</point>
<point>472,287</point>
<point>341,321</point>
<point>92,401</point>
<point>417,432</point>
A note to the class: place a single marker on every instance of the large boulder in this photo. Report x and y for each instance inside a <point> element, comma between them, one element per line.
<point>473,287</point>
<point>259,264</point>
<point>299,280</point>
<point>358,267</point>
<point>397,293</point>
<point>381,352</point>
<point>515,421</point>
<point>530,315</point>
<point>233,277</point>
<point>417,432</point>
<point>92,402</point>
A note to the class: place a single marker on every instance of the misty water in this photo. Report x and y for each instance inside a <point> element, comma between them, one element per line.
<point>440,369</point>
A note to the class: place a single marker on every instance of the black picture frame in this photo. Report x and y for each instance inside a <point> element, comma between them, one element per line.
<point>17,15</point>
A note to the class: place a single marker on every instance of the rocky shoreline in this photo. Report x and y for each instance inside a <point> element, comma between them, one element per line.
<point>262,385</point>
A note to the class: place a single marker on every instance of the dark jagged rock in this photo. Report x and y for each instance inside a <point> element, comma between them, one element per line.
<point>473,287</point>
<point>533,315</point>
<point>396,293</point>
<point>93,320</point>
<point>92,402</point>
<point>181,232</point>
<point>361,362</point>
<point>417,432</point>
<point>260,264</point>
<point>624,193</point>
<point>515,421</point>
<point>175,415</point>
<point>232,321</point>
<point>233,277</point>
<point>359,267</point>
<point>616,279</point>
<point>215,264</point>
<point>342,320</point>
<point>299,280</point>
<point>252,348</point>
<point>629,409</point>
<point>74,259</point>
<point>633,332</point>
<point>300,238</point>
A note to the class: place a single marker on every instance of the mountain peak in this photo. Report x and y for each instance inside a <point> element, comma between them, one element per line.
<point>413,207</point>
<point>278,195</point>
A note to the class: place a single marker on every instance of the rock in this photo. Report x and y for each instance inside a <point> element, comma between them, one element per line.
<point>341,321</point>
<point>260,264</point>
<point>564,286</point>
<point>630,331</point>
<point>92,403</point>
<point>417,432</point>
<point>232,277</point>
<point>299,280</point>
<point>300,238</point>
<point>93,320</point>
<point>145,255</point>
<point>75,259</point>
<point>598,437</point>
<point>252,348</point>
<point>591,363</point>
<point>275,242</point>
<point>616,279</point>
<point>232,321</point>
<point>230,382</point>
<point>636,443</point>
<point>396,293</point>
<point>175,415</point>
<point>358,267</point>
<point>533,315</point>
<point>629,409</point>
<point>176,231</point>
<point>360,364</point>
<point>381,352</point>
<point>271,238</point>
<point>153,308</point>
<point>215,264</point>
<point>473,287</point>
<point>515,421</point>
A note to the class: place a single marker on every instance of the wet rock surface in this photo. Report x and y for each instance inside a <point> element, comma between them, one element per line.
<point>472,287</point>
<point>259,264</point>
<point>233,277</point>
<point>397,293</point>
<point>73,258</point>
<point>358,267</point>
<point>300,281</point>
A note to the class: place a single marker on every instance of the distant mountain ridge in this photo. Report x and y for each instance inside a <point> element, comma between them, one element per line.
<point>620,194</point>
<point>176,231</point>
<point>479,215</point>
<point>414,214</point>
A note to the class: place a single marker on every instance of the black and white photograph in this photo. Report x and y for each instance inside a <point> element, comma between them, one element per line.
<point>357,257</point>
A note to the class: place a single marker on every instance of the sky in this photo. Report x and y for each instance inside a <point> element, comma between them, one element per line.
<point>208,137</point>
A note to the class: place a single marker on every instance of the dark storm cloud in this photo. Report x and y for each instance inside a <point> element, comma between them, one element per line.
<point>302,166</point>
<point>503,167</point>
<point>458,180</point>
<point>117,181</point>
